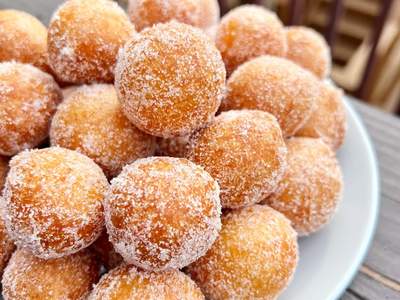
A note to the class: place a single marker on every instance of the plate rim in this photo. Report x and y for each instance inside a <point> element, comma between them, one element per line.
<point>352,270</point>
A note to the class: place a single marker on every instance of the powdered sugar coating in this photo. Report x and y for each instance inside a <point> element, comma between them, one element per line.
<point>162,213</point>
<point>309,49</point>
<point>249,31</point>
<point>23,38</point>
<point>175,147</point>
<point>69,278</point>
<point>84,38</point>
<point>254,257</point>
<point>198,13</point>
<point>310,192</point>
<point>91,122</point>
<point>6,244</point>
<point>328,121</point>
<point>275,85</point>
<point>28,100</point>
<point>170,79</point>
<point>129,283</point>
<point>53,201</point>
<point>245,152</point>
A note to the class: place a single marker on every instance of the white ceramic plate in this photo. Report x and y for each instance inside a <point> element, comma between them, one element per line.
<point>330,258</point>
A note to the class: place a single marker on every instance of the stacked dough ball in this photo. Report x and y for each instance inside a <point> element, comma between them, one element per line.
<point>140,110</point>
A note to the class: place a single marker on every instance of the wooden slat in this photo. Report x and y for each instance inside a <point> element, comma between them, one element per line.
<point>379,24</point>
<point>336,12</point>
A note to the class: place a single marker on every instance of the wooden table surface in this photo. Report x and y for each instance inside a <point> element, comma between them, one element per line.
<point>379,277</point>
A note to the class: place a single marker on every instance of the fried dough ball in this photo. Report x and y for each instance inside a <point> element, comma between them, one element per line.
<point>30,278</point>
<point>310,192</point>
<point>198,13</point>
<point>84,38</point>
<point>247,32</point>
<point>309,49</point>
<point>28,100</point>
<point>53,201</point>
<point>105,251</point>
<point>6,244</point>
<point>23,38</point>
<point>162,213</point>
<point>170,80</point>
<point>275,85</point>
<point>328,121</point>
<point>90,121</point>
<point>254,256</point>
<point>245,152</point>
<point>175,147</point>
<point>129,283</point>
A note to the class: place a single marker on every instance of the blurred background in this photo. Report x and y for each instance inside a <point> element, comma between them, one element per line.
<point>364,36</point>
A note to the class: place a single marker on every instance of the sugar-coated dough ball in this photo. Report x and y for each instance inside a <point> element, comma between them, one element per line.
<point>309,49</point>
<point>175,147</point>
<point>30,278</point>
<point>162,213</point>
<point>310,192</point>
<point>53,201</point>
<point>105,251</point>
<point>28,100</point>
<point>84,38</point>
<point>254,256</point>
<point>91,121</point>
<point>6,244</point>
<point>328,121</point>
<point>129,283</point>
<point>23,38</point>
<point>275,85</point>
<point>247,32</point>
<point>245,152</point>
<point>170,79</point>
<point>198,13</point>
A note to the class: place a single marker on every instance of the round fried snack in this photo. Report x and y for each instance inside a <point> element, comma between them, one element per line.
<point>175,147</point>
<point>275,85</point>
<point>310,192</point>
<point>6,244</point>
<point>129,283</point>
<point>23,38</point>
<point>90,121</point>
<point>247,32</point>
<point>162,213</point>
<point>170,80</point>
<point>30,278</point>
<point>198,13</point>
<point>309,49</point>
<point>84,38</point>
<point>245,152</point>
<point>53,201</point>
<point>328,121</point>
<point>105,251</point>
<point>28,100</point>
<point>254,257</point>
